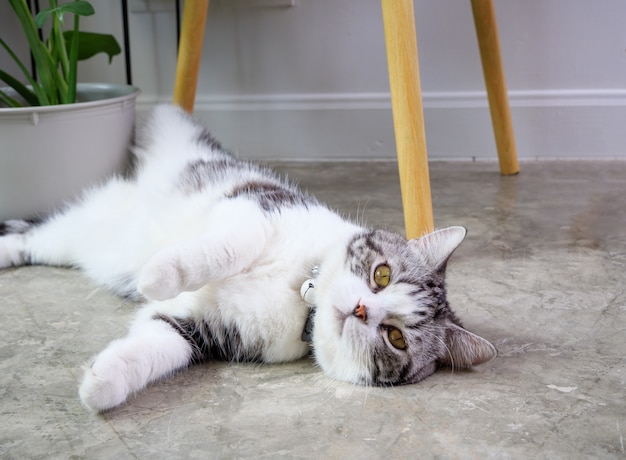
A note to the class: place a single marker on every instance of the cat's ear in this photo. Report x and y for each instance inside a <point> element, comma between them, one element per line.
<point>465,349</point>
<point>438,246</point>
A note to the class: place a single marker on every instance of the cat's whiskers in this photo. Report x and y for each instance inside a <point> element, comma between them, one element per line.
<point>360,213</point>
<point>332,390</point>
<point>445,346</point>
<point>324,387</point>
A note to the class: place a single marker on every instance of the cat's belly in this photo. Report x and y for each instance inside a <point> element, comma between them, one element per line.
<point>249,320</point>
<point>271,313</point>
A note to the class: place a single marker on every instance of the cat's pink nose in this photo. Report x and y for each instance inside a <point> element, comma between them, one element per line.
<point>360,312</point>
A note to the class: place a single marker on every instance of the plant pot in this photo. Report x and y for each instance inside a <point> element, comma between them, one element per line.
<point>49,154</point>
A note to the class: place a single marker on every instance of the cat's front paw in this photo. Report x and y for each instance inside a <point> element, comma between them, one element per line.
<point>105,383</point>
<point>158,281</point>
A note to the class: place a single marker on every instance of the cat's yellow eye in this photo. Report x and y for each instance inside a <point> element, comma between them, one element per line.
<point>382,275</point>
<point>396,338</point>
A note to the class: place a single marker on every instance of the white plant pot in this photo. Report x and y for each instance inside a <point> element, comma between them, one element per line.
<point>49,154</point>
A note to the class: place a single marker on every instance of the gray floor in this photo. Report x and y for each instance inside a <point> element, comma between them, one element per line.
<point>542,274</point>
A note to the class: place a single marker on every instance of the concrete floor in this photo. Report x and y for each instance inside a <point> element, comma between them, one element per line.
<point>542,274</point>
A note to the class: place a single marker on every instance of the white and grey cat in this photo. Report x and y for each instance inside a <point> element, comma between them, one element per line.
<point>220,251</point>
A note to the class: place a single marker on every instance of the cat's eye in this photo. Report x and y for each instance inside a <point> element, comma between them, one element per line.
<point>382,275</point>
<point>396,339</point>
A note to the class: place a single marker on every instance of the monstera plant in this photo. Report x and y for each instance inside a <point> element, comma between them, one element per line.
<point>56,56</point>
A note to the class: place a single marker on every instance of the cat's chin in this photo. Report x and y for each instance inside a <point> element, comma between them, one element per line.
<point>345,372</point>
<point>335,348</point>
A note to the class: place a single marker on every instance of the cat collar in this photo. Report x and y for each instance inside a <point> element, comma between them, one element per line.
<point>307,291</point>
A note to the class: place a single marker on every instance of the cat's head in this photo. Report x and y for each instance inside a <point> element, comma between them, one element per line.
<point>382,317</point>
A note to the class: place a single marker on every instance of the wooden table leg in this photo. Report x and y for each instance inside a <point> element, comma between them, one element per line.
<point>489,45</point>
<point>408,116</point>
<point>189,53</point>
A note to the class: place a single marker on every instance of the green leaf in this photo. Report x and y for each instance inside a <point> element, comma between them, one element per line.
<point>56,57</point>
<point>8,101</point>
<point>42,98</point>
<point>91,43</point>
<point>73,61</point>
<point>79,8</point>
<point>19,88</point>
<point>43,60</point>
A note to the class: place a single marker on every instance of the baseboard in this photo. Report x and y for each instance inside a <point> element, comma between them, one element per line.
<point>548,124</point>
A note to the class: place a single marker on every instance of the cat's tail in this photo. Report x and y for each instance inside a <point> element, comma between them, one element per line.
<point>170,131</point>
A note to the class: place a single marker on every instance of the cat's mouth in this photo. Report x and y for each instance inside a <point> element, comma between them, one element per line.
<point>343,319</point>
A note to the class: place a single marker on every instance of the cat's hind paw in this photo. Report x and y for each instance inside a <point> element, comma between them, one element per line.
<point>11,251</point>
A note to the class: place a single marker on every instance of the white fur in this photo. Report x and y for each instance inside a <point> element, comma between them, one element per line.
<point>437,247</point>
<point>195,254</point>
<point>126,366</point>
<point>181,250</point>
<point>11,251</point>
<point>341,346</point>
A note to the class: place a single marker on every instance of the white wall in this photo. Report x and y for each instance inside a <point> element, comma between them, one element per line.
<point>310,80</point>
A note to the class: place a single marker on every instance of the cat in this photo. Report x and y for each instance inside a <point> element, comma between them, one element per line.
<point>232,262</point>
